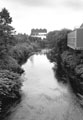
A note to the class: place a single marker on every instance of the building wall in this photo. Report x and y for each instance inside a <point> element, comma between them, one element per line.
<point>39,36</point>
<point>79,44</point>
<point>71,39</point>
<point>41,33</point>
<point>38,31</point>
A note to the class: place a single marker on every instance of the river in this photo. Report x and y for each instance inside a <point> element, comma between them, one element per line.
<point>44,98</point>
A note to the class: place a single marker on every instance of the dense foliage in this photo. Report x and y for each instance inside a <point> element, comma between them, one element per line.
<point>9,63</point>
<point>9,84</point>
<point>6,32</point>
<point>10,70</point>
<point>15,49</point>
<point>21,52</point>
<point>69,62</point>
<point>22,38</point>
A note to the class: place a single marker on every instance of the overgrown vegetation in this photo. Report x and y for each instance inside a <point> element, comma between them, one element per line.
<point>15,49</point>
<point>10,70</point>
<point>69,62</point>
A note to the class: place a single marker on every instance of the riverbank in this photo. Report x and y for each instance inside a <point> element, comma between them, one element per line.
<point>69,63</point>
<point>10,73</point>
<point>10,79</point>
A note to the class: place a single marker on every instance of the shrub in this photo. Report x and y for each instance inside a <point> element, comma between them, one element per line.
<point>69,59</point>
<point>10,89</point>
<point>9,63</point>
<point>20,53</point>
<point>10,84</point>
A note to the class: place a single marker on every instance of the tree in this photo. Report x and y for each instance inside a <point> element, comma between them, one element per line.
<point>6,31</point>
<point>58,39</point>
<point>22,38</point>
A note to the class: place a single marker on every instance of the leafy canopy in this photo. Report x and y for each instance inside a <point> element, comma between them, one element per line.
<point>6,31</point>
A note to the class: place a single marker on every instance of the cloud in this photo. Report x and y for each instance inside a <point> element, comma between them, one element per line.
<point>36,3</point>
<point>32,2</point>
<point>74,4</point>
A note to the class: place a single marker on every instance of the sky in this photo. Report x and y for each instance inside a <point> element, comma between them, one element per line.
<point>49,14</point>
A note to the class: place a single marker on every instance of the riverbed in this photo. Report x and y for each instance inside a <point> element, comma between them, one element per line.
<point>44,98</point>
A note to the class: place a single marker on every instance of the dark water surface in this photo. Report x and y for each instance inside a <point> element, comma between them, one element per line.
<point>43,97</point>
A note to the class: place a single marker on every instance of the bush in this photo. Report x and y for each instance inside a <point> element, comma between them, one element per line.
<point>10,89</point>
<point>21,53</point>
<point>9,63</point>
<point>69,59</point>
<point>10,84</point>
<point>69,62</point>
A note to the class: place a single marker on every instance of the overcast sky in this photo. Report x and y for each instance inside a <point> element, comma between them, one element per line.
<point>49,14</point>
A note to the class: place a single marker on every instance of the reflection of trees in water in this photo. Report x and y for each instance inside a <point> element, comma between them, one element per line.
<point>60,74</point>
<point>32,59</point>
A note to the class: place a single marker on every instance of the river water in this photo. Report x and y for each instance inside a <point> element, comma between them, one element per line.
<point>43,97</point>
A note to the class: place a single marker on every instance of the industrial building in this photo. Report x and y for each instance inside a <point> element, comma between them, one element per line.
<point>75,39</point>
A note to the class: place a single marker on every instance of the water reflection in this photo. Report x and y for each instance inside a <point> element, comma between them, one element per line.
<point>31,59</point>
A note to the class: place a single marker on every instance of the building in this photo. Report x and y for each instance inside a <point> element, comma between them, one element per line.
<point>40,33</point>
<point>75,39</point>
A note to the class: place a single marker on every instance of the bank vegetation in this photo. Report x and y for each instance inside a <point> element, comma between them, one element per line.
<point>15,49</point>
<point>69,67</point>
